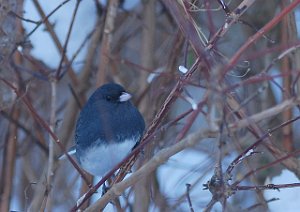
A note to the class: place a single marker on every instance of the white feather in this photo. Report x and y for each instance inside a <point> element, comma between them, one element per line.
<point>99,160</point>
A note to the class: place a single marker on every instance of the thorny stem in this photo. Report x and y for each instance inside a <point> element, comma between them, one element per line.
<point>220,187</point>
<point>251,148</point>
<point>297,152</point>
<point>267,187</point>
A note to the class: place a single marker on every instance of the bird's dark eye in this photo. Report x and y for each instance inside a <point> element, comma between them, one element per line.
<point>108,98</point>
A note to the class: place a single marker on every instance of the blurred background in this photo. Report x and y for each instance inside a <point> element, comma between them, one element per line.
<point>54,54</point>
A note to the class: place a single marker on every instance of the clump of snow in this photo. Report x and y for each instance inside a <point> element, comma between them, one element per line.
<point>182,69</point>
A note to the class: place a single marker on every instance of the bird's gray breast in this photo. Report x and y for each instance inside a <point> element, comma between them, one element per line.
<point>98,160</point>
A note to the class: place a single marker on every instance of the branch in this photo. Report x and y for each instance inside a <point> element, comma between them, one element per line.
<point>161,157</point>
<point>287,104</point>
<point>40,120</point>
<point>259,34</point>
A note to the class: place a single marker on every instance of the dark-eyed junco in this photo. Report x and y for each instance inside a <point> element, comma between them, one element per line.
<point>107,129</point>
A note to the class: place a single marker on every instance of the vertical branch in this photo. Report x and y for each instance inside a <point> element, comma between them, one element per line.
<point>9,29</point>
<point>147,41</point>
<point>106,41</point>
<point>142,200</point>
<point>288,34</point>
<point>50,171</point>
<point>216,121</point>
<point>188,187</point>
<point>8,166</point>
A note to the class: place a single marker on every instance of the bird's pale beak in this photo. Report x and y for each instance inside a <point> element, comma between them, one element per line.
<point>125,97</point>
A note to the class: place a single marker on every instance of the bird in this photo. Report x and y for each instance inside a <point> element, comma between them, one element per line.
<point>109,126</point>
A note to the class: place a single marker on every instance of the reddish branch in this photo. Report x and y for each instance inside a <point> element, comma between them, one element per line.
<point>233,61</point>
<point>8,163</point>
<point>40,120</point>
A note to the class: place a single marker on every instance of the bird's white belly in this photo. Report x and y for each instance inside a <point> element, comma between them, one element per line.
<point>99,160</point>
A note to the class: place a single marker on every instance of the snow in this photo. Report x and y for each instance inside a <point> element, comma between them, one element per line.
<point>48,52</point>
<point>185,167</point>
<point>289,197</point>
<point>182,69</point>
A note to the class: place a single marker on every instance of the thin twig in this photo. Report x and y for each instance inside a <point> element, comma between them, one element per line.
<point>188,186</point>
<point>64,51</point>
<point>39,23</point>
<point>40,120</point>
<point>54,36</point>
<point>259,34</point>
<point>25,19</point>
